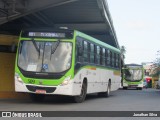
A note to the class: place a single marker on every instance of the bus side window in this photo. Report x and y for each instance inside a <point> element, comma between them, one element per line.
<point>88,51</point>
<point>115,60</point>
<point>103,56</point>
<point>98,55</point>
<point>91,53</point>
<point>85,51</point>
<point>79,49</point>
<point>118,61</point>
<point>111,58</point>
<point>95,54</point>
<point>108,58</point>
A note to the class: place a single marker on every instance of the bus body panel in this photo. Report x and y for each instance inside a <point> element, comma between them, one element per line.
<point>97,81</point>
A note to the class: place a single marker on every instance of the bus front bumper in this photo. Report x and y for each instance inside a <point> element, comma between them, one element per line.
<point>133,85</point>
<point>71,89</point>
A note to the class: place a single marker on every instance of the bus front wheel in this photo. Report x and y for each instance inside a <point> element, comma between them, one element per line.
<point>124,88</point>
<point>82,96</point>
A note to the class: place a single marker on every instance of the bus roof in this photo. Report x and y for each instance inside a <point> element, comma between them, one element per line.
<point>78,33</point>
<point>133,65</point>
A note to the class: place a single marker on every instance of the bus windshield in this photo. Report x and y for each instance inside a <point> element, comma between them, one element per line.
<point>45,56</point>
<point>133,74</point>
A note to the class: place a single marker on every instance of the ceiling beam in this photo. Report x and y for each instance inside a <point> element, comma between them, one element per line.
<point>31,6</point>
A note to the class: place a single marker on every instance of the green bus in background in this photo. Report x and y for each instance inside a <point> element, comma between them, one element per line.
<point>65,62</point>
<point>133,76</point>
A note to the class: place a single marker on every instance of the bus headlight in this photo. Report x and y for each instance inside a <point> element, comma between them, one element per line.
<point>66,80</point>
<point>18,78</point>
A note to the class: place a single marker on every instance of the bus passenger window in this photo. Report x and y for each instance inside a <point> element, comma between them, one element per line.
<point>108,58</point>
<point>115,60</point>
<point>95,54</point>
<point>101,59</point>
<point>118,61</point>
<point>103,56</point>
<point>79,49</point>
<point>98,55</point>
<point>91,53</point>
<point>88,52</point>
<point>85,51</point>
<point>112,59</point>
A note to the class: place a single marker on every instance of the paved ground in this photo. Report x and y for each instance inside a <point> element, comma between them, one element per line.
<point>121,100</point>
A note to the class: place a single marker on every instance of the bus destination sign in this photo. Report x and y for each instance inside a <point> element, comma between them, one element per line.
<point>47,34</point>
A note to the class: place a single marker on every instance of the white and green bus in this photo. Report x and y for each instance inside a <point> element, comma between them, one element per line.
<point>65,62</point>
<point>133,76</point>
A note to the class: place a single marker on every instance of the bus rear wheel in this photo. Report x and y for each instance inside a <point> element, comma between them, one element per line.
<point>82,96</point>
<point>37,97</point>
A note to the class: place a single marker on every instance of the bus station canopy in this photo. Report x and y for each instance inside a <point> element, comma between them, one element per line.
<point>89,16</point>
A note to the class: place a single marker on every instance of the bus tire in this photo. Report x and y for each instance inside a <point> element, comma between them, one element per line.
<point>139,88</point>
<point>124,88</point>
<point>37,97</point>
<point>80,98</point>
<point>107,93</point>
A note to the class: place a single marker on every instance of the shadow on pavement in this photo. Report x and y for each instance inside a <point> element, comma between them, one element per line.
<point>54,99</point>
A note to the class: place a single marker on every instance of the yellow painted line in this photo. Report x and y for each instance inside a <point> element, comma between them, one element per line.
<point>13,95</point>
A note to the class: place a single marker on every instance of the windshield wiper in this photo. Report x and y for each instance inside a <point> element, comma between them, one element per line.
<point>36,46</point>
<point>57,44</point>
<point>52,52</point>
<point>55,48</point>
<point>42,69</point>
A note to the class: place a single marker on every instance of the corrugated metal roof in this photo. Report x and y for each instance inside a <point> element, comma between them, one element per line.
<point>84,15</point>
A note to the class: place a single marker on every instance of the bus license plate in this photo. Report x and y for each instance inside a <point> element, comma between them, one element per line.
<point>41,91</point>
<point>133,86</point>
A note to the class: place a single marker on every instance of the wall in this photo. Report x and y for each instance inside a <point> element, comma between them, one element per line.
<point>7,63</point>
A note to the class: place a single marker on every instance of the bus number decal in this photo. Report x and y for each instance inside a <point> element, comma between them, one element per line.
<point>31,81</point>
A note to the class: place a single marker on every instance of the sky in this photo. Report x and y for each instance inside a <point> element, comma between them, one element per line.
<point>137,26</point>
